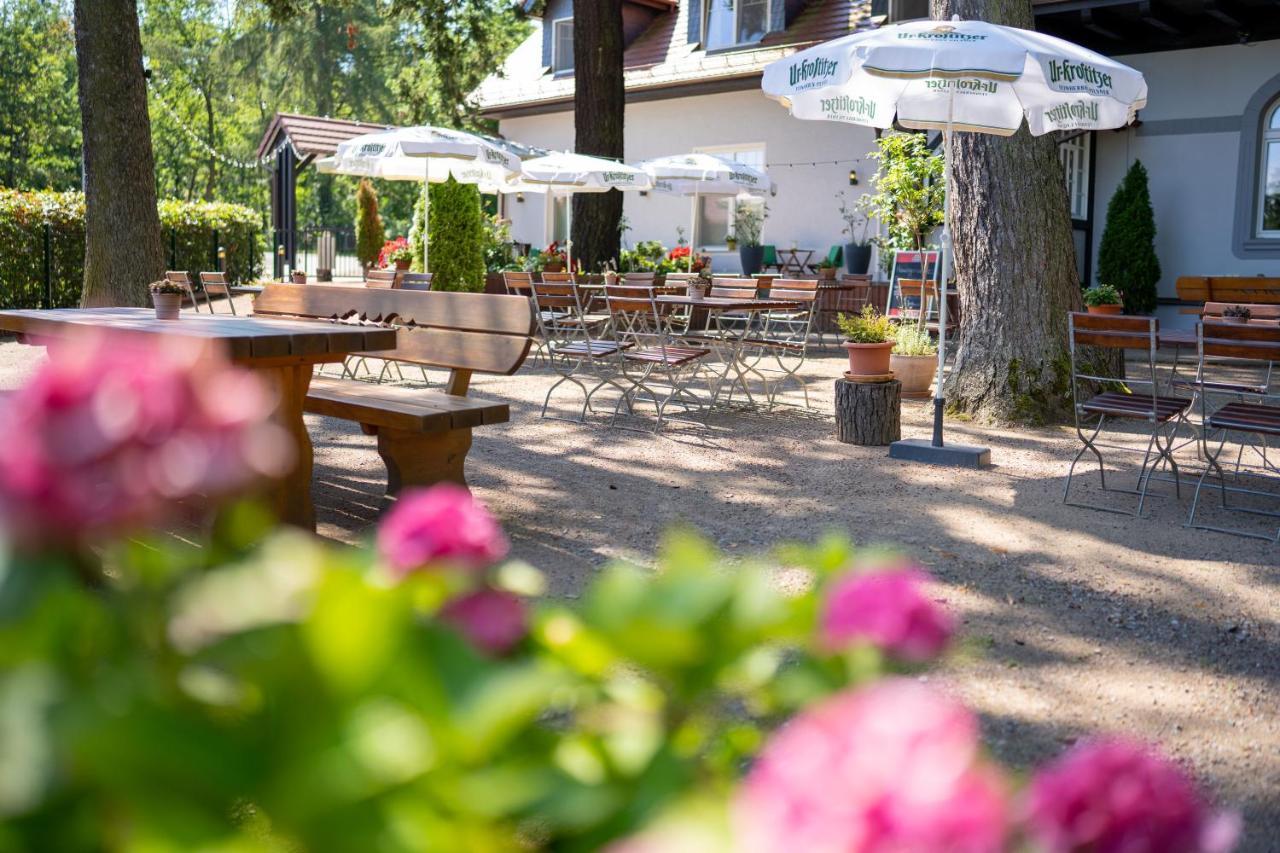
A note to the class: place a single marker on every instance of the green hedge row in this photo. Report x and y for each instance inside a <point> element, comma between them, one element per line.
<point>189,230</point>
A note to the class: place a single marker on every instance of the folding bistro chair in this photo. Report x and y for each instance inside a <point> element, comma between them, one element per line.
<point>183,278</point>
<point>352,365</point>
<point>518,283</point>
<point>1161,415</point>
<point>784,340</point>
<point>1256,343</point>
<point>415,281</point>
<point>216,283</point>
<point>571,351</point>
<point>649,354</point>
<point>385,279</point>
<point>638,279</point>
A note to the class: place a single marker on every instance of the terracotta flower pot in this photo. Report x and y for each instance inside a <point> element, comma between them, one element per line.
<point>915,372</point>
<point>402,265</point>
<point>1105,309</point>
<point>167,305</point>
<point>826,273</point>
<point>869,359</point>
<point>298,277</point>
<point>553,266</point>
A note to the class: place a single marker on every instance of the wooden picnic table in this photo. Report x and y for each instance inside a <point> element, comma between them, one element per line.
<point>283,352</point>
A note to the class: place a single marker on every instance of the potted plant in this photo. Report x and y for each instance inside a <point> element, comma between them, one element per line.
<point>699,287</point>
<point>826,270</point>
<point>914,357</point>
<point>869,340</point>
<point>1236,314</point>
<point>731,242</point>
<point>300,277</point>
<point>857,252</point>
<point>167,297</point>
<point>396,252</point>
<point>909,194</point>
<point>553,258</point>
<point>748,222</point>
<point>1103,299</point>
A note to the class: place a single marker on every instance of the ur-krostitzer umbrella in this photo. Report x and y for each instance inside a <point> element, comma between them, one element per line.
<point>568,173</point>
<point>700,174</point>
<point>956,75</point>
<point>428,154</point>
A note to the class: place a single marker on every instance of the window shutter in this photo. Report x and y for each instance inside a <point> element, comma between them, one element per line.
<point>548,42</point>
<point>777,15</point>
<point>695,21</point>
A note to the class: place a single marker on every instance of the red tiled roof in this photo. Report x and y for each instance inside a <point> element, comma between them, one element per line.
<point>312,134</point>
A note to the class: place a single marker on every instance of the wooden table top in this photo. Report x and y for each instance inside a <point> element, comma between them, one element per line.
<point>246,338</point>
<point>724,303</point>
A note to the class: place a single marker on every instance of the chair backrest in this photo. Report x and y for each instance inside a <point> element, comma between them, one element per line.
<point>463,332</point>
<point>639,278</point>
<point>794,289</point>
<point>388,279</point>
<point>1254,342</point>
<point>518,283</point>
<point>635,317</point>
<point>1213,310</point>
<point>415,281</point>
<point>734,288</point>
<point>835,255</point>
<point>555,295</point>
<point>770,254</point>
<point>557,276</point>
<point>215,282</point>
<point>181,277</point>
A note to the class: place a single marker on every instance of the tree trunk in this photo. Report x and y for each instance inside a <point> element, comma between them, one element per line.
<point>868,413</point>
<point>1015,261</point>
<point>599,102</point>
<point>123,247</point>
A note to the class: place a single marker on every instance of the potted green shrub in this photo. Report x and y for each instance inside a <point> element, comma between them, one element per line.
<point>869,341</point>
<point>748,222</point>
<point>167,297</point>
<point>1103,299</point>
<point>914,357</point>
<point>826,270</point>
<point>857,252</point>
<point>731,242</point>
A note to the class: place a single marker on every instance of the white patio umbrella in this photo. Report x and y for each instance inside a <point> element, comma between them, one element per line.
<point>568,173</point>
<point>698,175</point>
<point>427,154</point>
<point>956,75</point>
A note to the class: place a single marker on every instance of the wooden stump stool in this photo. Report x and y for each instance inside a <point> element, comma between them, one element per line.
<point>868,413</point>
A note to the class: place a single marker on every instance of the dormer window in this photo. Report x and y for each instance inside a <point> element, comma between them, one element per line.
<point>562,46</point>
<point>731,23</point>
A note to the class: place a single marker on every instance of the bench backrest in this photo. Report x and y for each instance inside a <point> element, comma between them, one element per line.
<point>415,281</point>
<point>383,278</point>
<point>463,332</point>
<point>1256,312</point>
<point>1233,289</point>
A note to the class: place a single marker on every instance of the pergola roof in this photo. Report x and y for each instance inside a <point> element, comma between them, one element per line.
<point>313,136</point>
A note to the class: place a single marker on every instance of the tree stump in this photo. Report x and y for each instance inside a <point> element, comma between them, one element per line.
<point>868,413</point>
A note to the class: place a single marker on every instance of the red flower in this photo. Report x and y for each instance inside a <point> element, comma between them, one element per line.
<point>679,252</point>
<point>391,248</point>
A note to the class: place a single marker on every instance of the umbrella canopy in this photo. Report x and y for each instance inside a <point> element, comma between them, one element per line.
<point>958,75</point>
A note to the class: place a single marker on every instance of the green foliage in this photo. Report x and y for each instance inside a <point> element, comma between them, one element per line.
<point>909,194</point>
<point>748,222</point>
<point>417,234</point>
<point>369,232</point>
<point>1101,294</point>
<point>456,234</point>
<point>189,231</point>
<point>499,252</point>
<point>912,338</point>
<point>869,327</point>
<point>1127,253</point>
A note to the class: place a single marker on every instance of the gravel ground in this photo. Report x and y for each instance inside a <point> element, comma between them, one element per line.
<point>1080,621</point>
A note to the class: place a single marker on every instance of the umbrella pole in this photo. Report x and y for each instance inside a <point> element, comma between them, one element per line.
<point>426,225</point>
<point>693,227</point>
<point>568,237</point>
<point>939,403</point>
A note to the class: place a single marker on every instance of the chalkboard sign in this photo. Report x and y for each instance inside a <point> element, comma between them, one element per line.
<point>910,265</point>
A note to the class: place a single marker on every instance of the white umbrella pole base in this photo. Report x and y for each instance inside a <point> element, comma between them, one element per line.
<point>935,452</point>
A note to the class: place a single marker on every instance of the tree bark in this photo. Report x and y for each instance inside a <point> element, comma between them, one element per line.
<point>1015,261</point>
<point>599,104</point>
<point>868,413</point>
<point>123,247</point>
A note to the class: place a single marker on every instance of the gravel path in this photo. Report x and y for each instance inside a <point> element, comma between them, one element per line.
<point>1078,621</point>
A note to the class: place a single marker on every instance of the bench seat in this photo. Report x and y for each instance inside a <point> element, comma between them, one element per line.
<point>393,407</point>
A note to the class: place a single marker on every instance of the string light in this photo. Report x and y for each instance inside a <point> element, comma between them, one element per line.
<point>258,163</point>
<point>811,163</point>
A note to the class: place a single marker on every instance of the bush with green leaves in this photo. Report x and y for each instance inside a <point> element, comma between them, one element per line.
<point>1101,294</point>
<point>1127,253</point>
<point>456,237</point>
<point>912,338</point>
<point>370,235</point>
<point>909,193</point>
<point>867,327</point>
<point>192,233</point>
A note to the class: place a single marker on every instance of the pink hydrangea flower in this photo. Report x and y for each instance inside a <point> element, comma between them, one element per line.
<point>493,620</point>
<point>888,608</point>
<point>1115,796</point>
<point>440,525</point>
<point>891,767</point>
<point>113,430</point>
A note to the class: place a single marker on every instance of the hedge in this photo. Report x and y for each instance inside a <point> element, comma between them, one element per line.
<point>188,227</point>
<point>456,233</point>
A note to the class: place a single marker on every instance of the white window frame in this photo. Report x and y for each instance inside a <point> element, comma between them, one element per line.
<point>726,151</point>
<point>556,67</point>
<point>1075,154</point>
<point>737,11</point>
<point>1270,135</point>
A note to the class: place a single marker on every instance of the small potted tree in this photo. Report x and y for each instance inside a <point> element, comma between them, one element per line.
<point>731,242</point>
<point>826,270</point>
<point>1103,299</point>
<point>167,297</point>
<point>869,341</point>
<point>748,222</point>
<point>914,357</point>
<point>857,252</point>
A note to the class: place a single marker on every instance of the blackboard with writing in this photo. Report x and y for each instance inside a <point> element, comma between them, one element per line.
<point>911,266</point>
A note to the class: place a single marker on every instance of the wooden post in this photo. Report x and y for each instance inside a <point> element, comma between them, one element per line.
<point>868,413</point>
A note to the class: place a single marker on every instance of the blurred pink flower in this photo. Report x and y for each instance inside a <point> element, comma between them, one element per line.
<point>889,608</point>
<point>442,524</point>
<point>1115,796</point>
<point>891,767</point>
<point>494,620</point>
<point>112,430</point>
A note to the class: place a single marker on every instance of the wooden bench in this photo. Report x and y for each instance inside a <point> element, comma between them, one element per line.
<point>1231,289</point>
<point>423,435</point>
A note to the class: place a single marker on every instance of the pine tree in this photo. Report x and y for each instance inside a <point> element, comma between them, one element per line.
<point>369,232</point>
<point>455,230</point>
<point>1127,255</point>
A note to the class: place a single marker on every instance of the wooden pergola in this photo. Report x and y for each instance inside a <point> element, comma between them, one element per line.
<point>295,141</point>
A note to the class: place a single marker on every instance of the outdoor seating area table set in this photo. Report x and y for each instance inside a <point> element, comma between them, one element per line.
<point>1225,397</point>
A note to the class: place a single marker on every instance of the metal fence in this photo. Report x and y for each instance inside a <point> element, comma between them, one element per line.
<point>319,248</point>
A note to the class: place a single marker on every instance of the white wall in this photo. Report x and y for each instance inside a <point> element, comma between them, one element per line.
<point>805,209</point>
<point>1193,174</point>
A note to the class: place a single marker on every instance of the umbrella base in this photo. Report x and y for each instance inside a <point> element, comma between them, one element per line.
<point>953,455</point>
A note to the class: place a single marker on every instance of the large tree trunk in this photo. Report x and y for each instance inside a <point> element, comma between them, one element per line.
<point>1014,261</point>
<point>123,247</point>
<point>599,102</point>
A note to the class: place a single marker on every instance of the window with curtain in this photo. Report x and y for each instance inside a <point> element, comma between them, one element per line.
<point>562,50</point>
<point>560,218</point>
<point>716,213</point>
<point>1269,177</point>
<point>1074,154</point>
<point>730,23</point>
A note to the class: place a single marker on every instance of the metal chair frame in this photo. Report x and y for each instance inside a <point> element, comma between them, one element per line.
<point>571,350</point>
<point>785,335</point>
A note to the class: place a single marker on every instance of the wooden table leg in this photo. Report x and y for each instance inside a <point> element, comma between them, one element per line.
<point>290,496</point>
